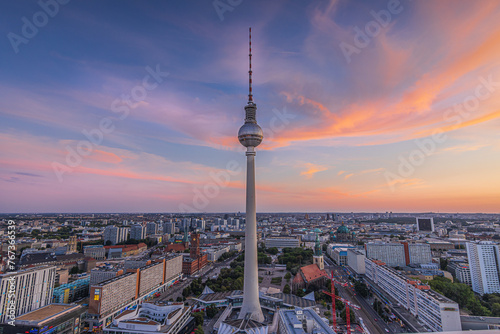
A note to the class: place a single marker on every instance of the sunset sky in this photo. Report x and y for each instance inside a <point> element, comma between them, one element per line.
<point>366,105</point>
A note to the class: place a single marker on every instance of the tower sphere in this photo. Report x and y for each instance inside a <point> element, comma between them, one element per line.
<point>250,134</point>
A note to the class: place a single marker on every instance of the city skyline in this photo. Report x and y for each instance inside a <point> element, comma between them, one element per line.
<point>348,111</point>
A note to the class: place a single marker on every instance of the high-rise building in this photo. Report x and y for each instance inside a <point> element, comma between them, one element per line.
<point>425,224</point>
<point>26,290</point>
<point>115,235</point>
<point>484,266</point>
<point>151,228</point>
<point>250,135</point>
<point>393,254</point>
<point>169,228</point>
<point>138,232</point>
<point>417,253</point>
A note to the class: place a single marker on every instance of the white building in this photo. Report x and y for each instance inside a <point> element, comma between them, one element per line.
<point>151,318</point>
<point>26,290</point>
<point>302,321</point>
<point>282,242</point>
<point>115,234</point>
<point>339,255</point>
<point>138,232</point>
<point>461,271</point>
<point>434,310</point>
<point>484,258</point>
<point>356,261</point>
<point>213,254</point>
<point>392,254</point>
<point>419,253</point>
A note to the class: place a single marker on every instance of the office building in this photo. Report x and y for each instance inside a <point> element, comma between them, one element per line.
<point>138,232</point>
<point>484,258</point>
<point>33,288</point>
<point>281,242</point>
<point>301,321</point>
<point>425,224</point>
<point>434,310</point>
<point>168,228</point>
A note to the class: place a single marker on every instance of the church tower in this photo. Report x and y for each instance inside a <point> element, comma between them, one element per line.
<point>318,254</point>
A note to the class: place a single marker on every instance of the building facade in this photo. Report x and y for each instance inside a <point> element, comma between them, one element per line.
<point>282,242</point>
<point>138,232</point>
<point>95,251</point>
<point>484,264</point>
<point>26,290</point>
<point>434,310</point>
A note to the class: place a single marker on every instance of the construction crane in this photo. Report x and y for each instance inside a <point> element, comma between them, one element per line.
<point>332,294</point>
<point>347,303</point>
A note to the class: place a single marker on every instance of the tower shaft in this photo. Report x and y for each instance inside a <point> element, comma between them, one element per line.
<point>251,303</point>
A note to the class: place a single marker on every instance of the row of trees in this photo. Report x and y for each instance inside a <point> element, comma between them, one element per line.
<point>294,258</point>
<point>488,305</point>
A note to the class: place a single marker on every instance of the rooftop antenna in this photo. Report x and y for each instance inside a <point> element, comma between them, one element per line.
<point>250,96</point>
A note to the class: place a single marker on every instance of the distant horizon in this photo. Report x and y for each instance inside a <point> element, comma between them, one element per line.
<point>266,212</point>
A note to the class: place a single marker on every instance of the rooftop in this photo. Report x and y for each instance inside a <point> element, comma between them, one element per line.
<point>47,312</point>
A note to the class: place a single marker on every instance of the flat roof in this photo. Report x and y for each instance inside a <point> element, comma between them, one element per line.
<point>46,312</point>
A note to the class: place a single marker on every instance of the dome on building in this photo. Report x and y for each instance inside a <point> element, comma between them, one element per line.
<point>342,229</point>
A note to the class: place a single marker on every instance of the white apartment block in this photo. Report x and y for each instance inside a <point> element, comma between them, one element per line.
<point>138,232</point>
<point>115,234</point>
<point>392,254</point>
<point>29,289</point>
<point>484,266</point>
<point>434,310</point>
<point>419,253</point>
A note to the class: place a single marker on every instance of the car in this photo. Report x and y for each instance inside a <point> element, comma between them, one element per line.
<point>376,319</point>
<point>386,330</point>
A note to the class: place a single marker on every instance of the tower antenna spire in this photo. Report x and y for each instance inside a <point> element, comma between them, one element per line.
<point>250,96</point>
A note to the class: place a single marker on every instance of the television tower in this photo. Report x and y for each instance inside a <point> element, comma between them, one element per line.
<point>250,135</point>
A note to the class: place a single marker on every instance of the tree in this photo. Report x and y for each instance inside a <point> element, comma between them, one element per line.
<point>199,330</point>
<point>287,289</point>
<point>288,276</point>
<point>74,270</point>
<point>443,263</point>
<point>211,311</point>
<point>198,317</point>
<point>351,313</point>
<point>108,243</point>
<point>361,288</point>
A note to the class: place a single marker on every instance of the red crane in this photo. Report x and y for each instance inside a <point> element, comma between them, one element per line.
<point>332,294</point>
<point>347,303</point>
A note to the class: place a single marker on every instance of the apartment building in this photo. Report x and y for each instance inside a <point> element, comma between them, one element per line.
<point>26,290</point>
<point>484,264</point>
<point>461,271</point>
<point>97,252</point>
